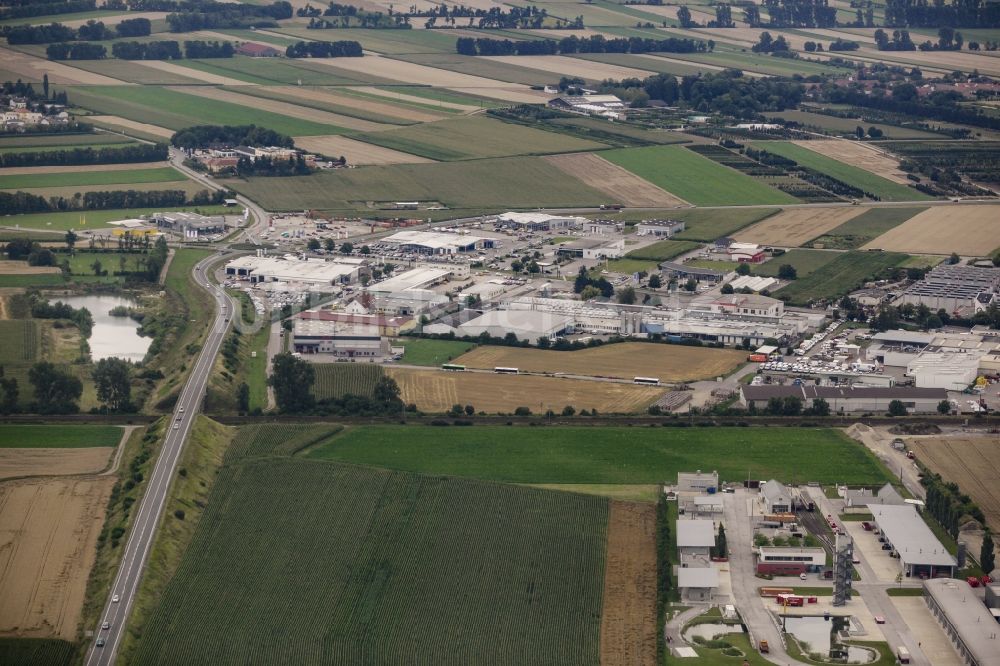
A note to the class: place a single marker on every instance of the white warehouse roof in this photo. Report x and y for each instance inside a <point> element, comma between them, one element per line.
<point>416,278</point>
<point>433,240</point>
<point>695,533</point>
<point>910,536</point>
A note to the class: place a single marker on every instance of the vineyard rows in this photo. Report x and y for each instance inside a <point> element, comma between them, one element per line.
<point>20,338</point>
<point>335,380</point>
<point>310,562</point>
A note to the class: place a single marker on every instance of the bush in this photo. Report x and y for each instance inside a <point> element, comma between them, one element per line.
<point>522,411</point>
<point>179,514</point>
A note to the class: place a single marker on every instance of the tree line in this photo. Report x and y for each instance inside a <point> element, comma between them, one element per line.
<point>292,380</point>
<point>14,203</point>
<point>956,14</point>
<point>574,44</point>
<point>34,8</point>
<point>155,50</point>
<point>90,31</point>
<point>209,15</point>
<point>938,108</point>
<point>341,49</point>
<point>203,136</point>
<point>143,152</point>
<point>58,391</point>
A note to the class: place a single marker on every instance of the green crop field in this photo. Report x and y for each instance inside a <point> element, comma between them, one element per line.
<point>58,436</point>
<point>466,138</point>
<point>309,562</point>
<point>732,57</point>
<point>64,146</point>
<point>852,175</point>
<point>20,340</point>
<point>320,104</point>
<point>849,125</point>
<point>25,281</point>
<point>694,178</point>
<point>36,651</point>
<point>842,275</point>
<point>609,455</point>
<point>431,352</point>
<point>85,219</point>
<point>67,139</point>
<point>94,177</point>
<point>177,110</point>
<point>630,266</point>
<point>335,380</point>
<point>391,42</point>
<point>871,224</point>
<point>271,71</point>
<point>664,250</point>
<point>804,262</point>
<point>134,71</point>
<point>489,184</point>
<point>703,224</point>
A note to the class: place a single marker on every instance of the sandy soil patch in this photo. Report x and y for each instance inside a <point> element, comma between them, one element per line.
<point>117,121</point>
<point>52,462</point>
<point>31,67</point>
<point>587,69</point>
<point>619,184</point>
<point>934,642</point>
<point>115,20</point>
<point>284,108</point>
<point>392,94</point>
<point>22,268</point>
<point>861,155</point>
<point>356,152</point>
<point>22,171</point>
<point>628,619</point>
<point>384,108</point>
<point>797,226</point>
<point>192,73</point>
<point>437,391</point>
<point>48,537</point>
<point>971,462</point>
<point>422,75</point>
<point>623,361</point>
<point>968,230</point>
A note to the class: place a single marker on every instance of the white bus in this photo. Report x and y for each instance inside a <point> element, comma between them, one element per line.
<point>505,371</point>
<point>651,381</point>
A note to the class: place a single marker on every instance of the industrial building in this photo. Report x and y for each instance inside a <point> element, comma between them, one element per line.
<point>748,306</point>
<point>540,221</point>
<point>950,360</point>
<point>483,291</point>
<point>671,269</point>
<point>789,561</point>
<point>356,342</point>
<point>190,225</point>
<point>659,228</point>
<point>919,551</point>
<point>775,497</point>
<point>592,248</point>
<point>755,283</point>
<point>968,623</point>
<point>697,584</point>
<point>430,242</point>
<point>842,399</point>
<point>415,278</point>
<point>524,324</point>
<point>694,539</point>
<point>697,482</point>
<point>862,498</point>
<point>604,106</point>
<point>313,272</point>
<point>383,325</point>
<point>956,289</point>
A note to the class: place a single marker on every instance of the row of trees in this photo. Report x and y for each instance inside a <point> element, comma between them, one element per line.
<point>210,15</point>
<point>574,44</point>
<point>13,10</point>
<point>90,31</point>
<point>13,203</point>
<point>142,152</point>
<point>940,107</point>
<point>957,13</point>
<point>203,136</point>
<point>292,380</point>
<point>341,49</point>
<point>76,51</point>
<point>58,391</point>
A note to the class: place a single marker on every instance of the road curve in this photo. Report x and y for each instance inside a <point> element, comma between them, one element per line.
<point>144,526</point>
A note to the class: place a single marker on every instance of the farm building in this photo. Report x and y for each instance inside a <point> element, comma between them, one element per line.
<point>775,497</point>
<point>659,228</point>
<point>357,342</point>
<point>385,326</point>
<point>854,399</point>
<point>524,324</point>
<point>605,106</point>
<point>789,561</point>
<point>593,248</point>
<point>254,50</point>
<point>540,221</point>
<point>862,498</point>
<point>430,242</point>
<point>744,253</point>
<point>290,269</point>
<point>697,583</point>
<point>920,552</point>
<point>682,272</point>
<point>697,482</point>
<point>956,289</point>
<point>190,225</point>
<point>694,539</point>
<point>969,625</point>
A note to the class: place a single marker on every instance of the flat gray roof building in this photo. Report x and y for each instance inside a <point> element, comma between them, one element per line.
<point>966,620</point>
<point>920,552</point>
<point>695,533</point>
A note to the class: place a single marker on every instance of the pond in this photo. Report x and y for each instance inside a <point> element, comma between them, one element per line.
<point>814,634</point>
<point>112,337</point>
<point>708,630</point>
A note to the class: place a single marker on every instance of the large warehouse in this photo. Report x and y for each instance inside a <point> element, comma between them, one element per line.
<point>920,552</point>
<point>966,621</point>
<point>291,269</point>
<point>415,278</point>
<point>430,242</point>
<point>955,288</point>
<point>359,343</point>
<point>540,221</point>
<point>525,324</point>
<point>864,399</point>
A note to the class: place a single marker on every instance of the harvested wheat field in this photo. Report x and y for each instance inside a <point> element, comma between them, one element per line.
<point>125,123</point>
<point>284,108</point>
<point>438,390</point>
<point>22,268</point>
<point>48,537</point>
<point>585,69</point>
<point>356,152</point>
<point>619,184</point>
<point>625,360</point>
<point>403,97</point>
<point>968,230</point>
<point>192,73</point>
<point>862,155</point>
<point>32,68</point>
<point>360,103</point>
<point>796,226</point>
<point>134,166</point>
<point>971,462</point>
<point>16,463</point>
<point>628,619</point>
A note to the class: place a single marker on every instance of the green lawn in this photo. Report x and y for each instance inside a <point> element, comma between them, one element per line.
<point>703,224</point>
<point>94,177</point>
<point>871,224</point>
<point>664,250</point>
<point>25,281</point>
<point>696,179</point>
<point>608,454</point>
<point>177,110</point>
<point>58,436</point>
<point>804,262</point>
<point>840,276</point>
<point>630,266</point>
<point>886,190</point>
<point>431,352</point>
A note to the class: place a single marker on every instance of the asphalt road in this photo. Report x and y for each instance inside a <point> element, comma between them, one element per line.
<point>126,583</point>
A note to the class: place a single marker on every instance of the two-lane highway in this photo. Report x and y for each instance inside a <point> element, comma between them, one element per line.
<point>122,594</point>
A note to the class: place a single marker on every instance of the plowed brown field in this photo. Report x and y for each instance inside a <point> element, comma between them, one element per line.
<point>628,619</point>
<point>971,462</point>
<point>621,185</point>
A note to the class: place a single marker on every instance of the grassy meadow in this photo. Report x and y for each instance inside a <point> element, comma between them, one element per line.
<point>840,276</point>
<point>58,436</point>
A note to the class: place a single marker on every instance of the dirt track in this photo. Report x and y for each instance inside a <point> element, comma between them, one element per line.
<point>797,226</point>
<point>971,462</point>
<point>52,462</point>
<point>861,155</point>
<point>48,536</point>
<point>628,619</point>
<point>968,230</point>
<point>621,185</point>
<point>356,152</point>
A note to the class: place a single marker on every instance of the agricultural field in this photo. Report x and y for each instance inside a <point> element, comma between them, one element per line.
<point>17,463</point>
<point>356,152</point>
<point>971,231</point>
<point>94,176</point>
<point>694,178</point>
<point>670,363</point>
<point>863,155</point>
<point>859,230</point>
<point>609,455</point>
<point>409,562</point>
<point>971,462</point>
<point>335,380</point>
<point>68,139</point>
<point>469,138</point>
<point>805,262</point>
<point>652,62</point>
<point>431,352</point>
<point>842,275</point>
<point>885,189</point>
<point>66,220</point>
<point>58,436</point>
<point>436,391</point>
<point>847,126</point>
<point>704,224</point>
<point>359,106</point>
<point>663,250</point>
<point>620,185</point>
<point>20,344</point>
<point>797,226</point>
<point>36,651</point>
<point>511,72</point>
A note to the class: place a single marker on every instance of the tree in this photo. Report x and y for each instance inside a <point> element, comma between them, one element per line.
<point>70,239</point>
<point>243,397</point>
<point>743,269</point>
<point>589,292</point>
<point>522,411</point>
<point>56,391</point>
<point>626,296</point>
<point>727,289</point>
<point>655,281</point>
<point>45,85</point>
<point>386,392</point>
<point>944,407</point>
<point>684,17</point>
<point>313,244</point>
<point>113,381</point>
<point>987,558</point>
<point>329,245</point>
<point>954,258</point>
<point>292,380</point>
<point>516,266</point>
<point>897,408</point>
<point>456,410</point>
<point>721,546</point>
<point>469,410</point>
<point>820,407</point>
<point>691,285</point>
<point>365,249</point>
<point>97,267</point>
<point>568,410</point>
<point>787,272</point>
<point>347,248</point>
